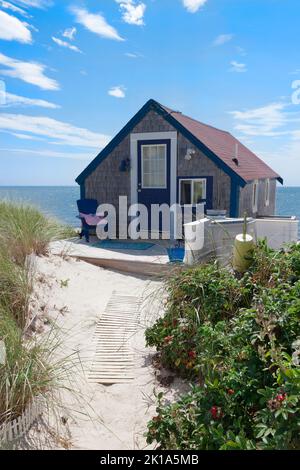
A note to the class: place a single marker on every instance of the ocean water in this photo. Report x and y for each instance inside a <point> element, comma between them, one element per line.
<point>60,201</point>
<point>55,201</point>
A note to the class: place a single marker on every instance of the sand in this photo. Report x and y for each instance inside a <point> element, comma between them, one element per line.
<point>73,295</point>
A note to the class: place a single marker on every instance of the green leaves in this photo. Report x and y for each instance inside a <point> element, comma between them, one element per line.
<point>234,340</point>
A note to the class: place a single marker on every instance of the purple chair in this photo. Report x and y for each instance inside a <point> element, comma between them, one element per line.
<point>86,206</point>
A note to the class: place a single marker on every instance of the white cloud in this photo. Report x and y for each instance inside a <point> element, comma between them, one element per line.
<point>59,132</point>
<point>35,3</point>
<point>29,72</point>
<point>47,153</point>
<point>26,137</point>
<point>274,130</point>
<point>12,100</point>
<point>275,119</point>
<point>66,44</point>
<point>96,23</point>
<point>12,29</point>
<point>133,55</point>
<point>241,51</point>
<point>117,92</point>
<point>222,39</point>
<point>238,67</point>
<point>133,12</point>
<point>70,33</point>
<point>193,5</point>
<point>14,8</point>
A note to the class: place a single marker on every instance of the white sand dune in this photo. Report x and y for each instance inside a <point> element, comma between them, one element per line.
<point>75,294</point>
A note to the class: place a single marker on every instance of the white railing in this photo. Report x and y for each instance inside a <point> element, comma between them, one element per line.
<point>215,236</point>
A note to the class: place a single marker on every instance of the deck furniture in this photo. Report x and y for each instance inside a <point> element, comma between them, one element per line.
<point>86,207</point>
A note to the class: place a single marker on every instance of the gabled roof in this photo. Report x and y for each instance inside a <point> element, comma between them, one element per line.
<point>220,146</point>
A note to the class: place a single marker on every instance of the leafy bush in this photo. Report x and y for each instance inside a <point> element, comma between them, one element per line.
<point>243,359</point>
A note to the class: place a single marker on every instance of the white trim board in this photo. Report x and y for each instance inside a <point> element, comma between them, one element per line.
<point>134,138</point>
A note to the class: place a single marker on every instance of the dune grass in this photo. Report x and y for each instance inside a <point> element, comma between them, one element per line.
<point>25,230</point>
<point>29,369</point>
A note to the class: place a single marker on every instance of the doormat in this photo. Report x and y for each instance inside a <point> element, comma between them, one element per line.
<point>123,245</point>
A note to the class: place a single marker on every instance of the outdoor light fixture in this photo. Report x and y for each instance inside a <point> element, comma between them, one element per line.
<point>125,165</point>
<point>189,154</point>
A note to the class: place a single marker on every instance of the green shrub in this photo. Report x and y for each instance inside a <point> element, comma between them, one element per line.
<point>243,360</point>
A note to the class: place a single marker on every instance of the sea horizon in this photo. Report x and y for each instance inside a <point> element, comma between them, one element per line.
<point>60,201</point>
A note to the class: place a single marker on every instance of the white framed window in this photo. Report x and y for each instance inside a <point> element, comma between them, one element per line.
<point>192,191</point>
<point>154,166</point>
<point>267,192</point>
<point>255,196</point>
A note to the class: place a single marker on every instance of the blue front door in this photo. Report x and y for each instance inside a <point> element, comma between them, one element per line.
<point>154,173</point>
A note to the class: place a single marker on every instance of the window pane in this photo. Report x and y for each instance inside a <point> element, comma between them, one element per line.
<point>185,192</point>
<point>199,192</point>
<point>154,166</point>
<point>147,181</point>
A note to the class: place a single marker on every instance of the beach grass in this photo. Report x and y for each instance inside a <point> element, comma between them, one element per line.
<point>25,230</point>
<point>29,368</point>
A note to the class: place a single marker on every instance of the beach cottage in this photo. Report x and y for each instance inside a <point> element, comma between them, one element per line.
<point>162,156</point>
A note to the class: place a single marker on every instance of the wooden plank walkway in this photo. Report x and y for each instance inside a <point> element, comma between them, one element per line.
<point>113,361</point>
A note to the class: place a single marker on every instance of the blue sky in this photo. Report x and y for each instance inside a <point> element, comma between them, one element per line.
<point>73,72</point>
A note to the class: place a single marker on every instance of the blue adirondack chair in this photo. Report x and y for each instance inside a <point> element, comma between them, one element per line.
<point>86,206</point>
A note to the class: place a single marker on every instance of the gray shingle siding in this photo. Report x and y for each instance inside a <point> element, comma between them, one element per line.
<point>246,199</point>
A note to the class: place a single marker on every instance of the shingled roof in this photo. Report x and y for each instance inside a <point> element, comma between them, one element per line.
<point>218,145</point>
<point>247,165</point>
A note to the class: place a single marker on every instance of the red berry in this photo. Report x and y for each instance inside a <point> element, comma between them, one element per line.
<point>192,354</point>
<point>281,397</point>
<point>230,391</point>
<point>216,412</point>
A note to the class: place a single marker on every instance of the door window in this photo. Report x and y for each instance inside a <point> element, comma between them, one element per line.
<point>154,166</point>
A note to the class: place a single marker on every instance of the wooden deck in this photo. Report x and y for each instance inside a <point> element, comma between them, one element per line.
<point>151,262</point>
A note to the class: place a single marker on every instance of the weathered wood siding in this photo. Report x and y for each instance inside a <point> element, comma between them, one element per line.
<point>246,199</point>
<point>106,183</point>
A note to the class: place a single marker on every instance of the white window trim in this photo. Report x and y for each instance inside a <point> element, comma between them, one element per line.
<point>166,159</point>
<point>267,192</point>
<point>193,180</point>
<point>255,196</point>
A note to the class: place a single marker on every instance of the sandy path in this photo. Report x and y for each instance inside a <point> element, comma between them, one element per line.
<point>75,294</point>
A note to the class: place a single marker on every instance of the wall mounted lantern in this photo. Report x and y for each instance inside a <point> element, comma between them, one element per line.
<point>189,154</point>
<point>125,165</point>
